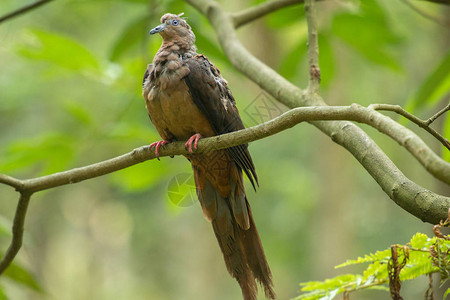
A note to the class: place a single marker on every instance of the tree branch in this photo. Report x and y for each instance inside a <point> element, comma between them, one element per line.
<point>424,124</point>
<point>17,231</point>
<point>437,115</point>
<point>11,181</point>
<point>23,10</point>
<point>313,47</point>
<point>400,188</point>
<point>434,164</point>
<point>252,13</point>
<point>372,158</point>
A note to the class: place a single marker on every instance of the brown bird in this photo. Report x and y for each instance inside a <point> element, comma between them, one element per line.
<point>187,98</point>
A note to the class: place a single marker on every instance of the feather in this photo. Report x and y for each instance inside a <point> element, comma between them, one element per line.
<point>209,92</point>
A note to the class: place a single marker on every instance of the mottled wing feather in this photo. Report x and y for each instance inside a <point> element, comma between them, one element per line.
<point>146,79</point>
<point>212,96</point>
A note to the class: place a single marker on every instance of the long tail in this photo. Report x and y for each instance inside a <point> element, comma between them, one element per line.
<point>236,233</point>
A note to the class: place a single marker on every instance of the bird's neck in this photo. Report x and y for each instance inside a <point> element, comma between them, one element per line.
<point>171,50</point>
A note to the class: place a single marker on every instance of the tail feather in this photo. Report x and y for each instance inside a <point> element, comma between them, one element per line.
<point>256,257</point>
<point>235,261</point>
<point>239,240</point>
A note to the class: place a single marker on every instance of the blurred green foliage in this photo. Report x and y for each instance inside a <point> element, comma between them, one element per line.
<point>70,96</point>
<point>421,256</point>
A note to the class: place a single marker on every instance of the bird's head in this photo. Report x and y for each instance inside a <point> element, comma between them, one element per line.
<point>174,27</point>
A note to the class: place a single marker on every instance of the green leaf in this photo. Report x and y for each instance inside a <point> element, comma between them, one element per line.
<point>51,152</point>
<point>141,176</point>
<point>2,294</point>
<point>419,240</point>
<point>331,295</point>
<point>379,288</point>
<point>328,284</point>
<point>375,276</point>
<point>368,33</point>
<point>289,66</point>
<point>61,50</point>
<point>447,292</point>
<point>326,60</point>
<point>329,288</point>
<point>131,36</point>
<point>446,133</point>
<point>286,17</point>
<point>434,87</point>
<point>5,227</point>
<point>377,256</point>
<point>79,112</point>
<point>22,276</point>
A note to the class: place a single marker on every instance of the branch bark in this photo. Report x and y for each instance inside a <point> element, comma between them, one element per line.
<point>17,231</point>
<point>313,47</point>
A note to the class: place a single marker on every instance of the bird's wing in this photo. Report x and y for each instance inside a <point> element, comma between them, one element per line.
<point>214,99</point>
<point>146,79</point>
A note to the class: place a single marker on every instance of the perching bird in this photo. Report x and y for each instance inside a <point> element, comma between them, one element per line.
<point>187,98</point>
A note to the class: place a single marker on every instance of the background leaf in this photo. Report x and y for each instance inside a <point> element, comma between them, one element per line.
<point>22,276</point>
<point>61,50</point>
<point>435,86</point>
<point>368,33</point>
<point>130,37</point>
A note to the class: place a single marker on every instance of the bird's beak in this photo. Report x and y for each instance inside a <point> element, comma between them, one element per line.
<point>158,28</point>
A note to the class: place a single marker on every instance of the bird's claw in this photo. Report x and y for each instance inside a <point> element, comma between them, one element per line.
<point>192,140</point>
<point>158,145</point>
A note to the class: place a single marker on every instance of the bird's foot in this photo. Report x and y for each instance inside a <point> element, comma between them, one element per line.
<point>192,140</point>
<point>158,145</point>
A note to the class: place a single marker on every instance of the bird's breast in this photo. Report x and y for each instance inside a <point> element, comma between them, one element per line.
<point>173,111</point>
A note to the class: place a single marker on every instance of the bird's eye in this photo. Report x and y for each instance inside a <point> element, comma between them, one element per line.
<point>175,22</point>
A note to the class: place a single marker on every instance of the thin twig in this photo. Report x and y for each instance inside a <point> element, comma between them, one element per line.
<point>424,124</point>
<point>426,14</point>
<point>252,13</point>
<point>17,231</point>
<point>437,115</point>
<point>313,46</point>
<point>23,10</point>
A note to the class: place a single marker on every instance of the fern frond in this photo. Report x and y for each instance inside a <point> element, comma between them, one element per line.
<point>371,257</point>
<point>426,256</point>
